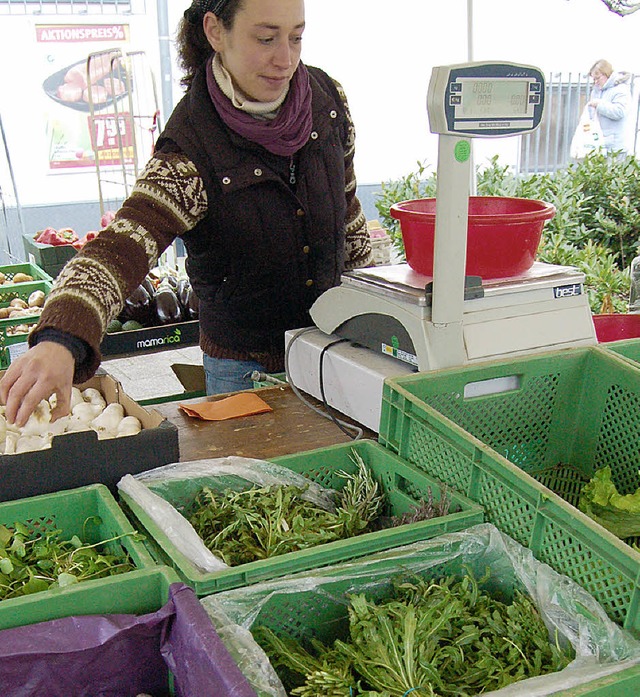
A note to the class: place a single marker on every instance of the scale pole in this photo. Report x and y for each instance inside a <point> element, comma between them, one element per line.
<point>450,250</point>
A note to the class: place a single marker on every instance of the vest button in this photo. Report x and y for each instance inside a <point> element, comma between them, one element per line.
<point>226,180</point>
<point>333,114</point>
<point>306,249</point>
<point>309,282</point>
<point>314,135</point>
<point>257,171</point>
<point>300,213</point>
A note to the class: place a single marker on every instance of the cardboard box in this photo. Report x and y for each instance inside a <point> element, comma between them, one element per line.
<point>79,459</point>
<point>149,339</point>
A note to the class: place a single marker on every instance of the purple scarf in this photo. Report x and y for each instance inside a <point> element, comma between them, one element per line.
<point>285,134</point>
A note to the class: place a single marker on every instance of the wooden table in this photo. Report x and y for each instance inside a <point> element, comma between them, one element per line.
<point>291,427</point>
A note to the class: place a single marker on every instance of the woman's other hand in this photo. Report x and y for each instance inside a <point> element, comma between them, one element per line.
<point>43,370</point>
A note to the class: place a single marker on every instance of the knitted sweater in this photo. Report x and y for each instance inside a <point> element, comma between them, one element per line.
<point>168,200</point>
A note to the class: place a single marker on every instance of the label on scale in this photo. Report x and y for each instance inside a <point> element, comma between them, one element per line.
<point>399,354</point>
<point>567,291</point>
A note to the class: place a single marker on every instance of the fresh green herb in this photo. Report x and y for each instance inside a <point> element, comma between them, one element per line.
<point>263,522</point>
<point>31,564</point>
<point>426,509</point>
<point>441,638</point>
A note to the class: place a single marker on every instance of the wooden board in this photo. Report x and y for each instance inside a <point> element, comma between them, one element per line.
<point>291,427</point>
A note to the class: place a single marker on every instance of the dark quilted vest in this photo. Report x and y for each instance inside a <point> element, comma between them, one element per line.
<point>267,249</point>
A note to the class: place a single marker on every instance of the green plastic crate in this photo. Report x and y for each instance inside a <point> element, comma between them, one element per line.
<point>33,270</point>
<point>404,485</point>
<point>12,345</point>
<point>313,605</point>
<point>506,433</point>
<point>50,258</point>
<point>93,514</point>
<point>628,349</point>
<point>136,593</point>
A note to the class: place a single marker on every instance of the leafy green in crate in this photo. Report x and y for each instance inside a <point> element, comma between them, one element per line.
<point>264,522</point>
<point>619,513</point>
<point>31,564</point>
<point>432,638</point>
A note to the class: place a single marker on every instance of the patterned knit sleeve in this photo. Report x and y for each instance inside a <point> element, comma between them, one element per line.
<point>167,200</point>
<point>358,243</point>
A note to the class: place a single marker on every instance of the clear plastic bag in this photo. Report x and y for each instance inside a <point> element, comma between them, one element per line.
<point>234,472</point>
<point>588,136</point>
<point>311,605</point>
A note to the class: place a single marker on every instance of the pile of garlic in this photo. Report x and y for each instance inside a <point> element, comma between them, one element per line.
<point>89,411</point>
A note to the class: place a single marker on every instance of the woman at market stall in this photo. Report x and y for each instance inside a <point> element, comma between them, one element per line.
<point>254,172</point>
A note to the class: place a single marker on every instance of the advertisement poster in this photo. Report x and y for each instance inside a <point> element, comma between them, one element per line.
<point>84,85</point>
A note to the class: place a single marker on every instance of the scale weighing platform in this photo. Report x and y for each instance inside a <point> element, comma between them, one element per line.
<point>388,309</point>
<point>396,320</point>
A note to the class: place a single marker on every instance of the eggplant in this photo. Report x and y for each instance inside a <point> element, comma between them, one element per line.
<point>138,306</point>
<point>188,299</point>
<point>167,307</point>
<point>193,305</point>
<point>147,284</point>
<point>182,291</point>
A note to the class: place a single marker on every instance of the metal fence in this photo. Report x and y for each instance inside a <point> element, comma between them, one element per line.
<point>547,148</point>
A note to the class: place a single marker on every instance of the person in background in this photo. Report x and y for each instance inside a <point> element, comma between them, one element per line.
<point>610,100</point>
<point>254,172</point>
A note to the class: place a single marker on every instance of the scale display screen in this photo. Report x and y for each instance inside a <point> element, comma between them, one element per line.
<point>495,98</point>
<point>485,99</point>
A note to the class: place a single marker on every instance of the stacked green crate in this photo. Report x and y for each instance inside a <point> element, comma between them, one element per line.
<point>314,607</point>
<point>403,485</point>
<point>92,514</point>
<point>507,433</point>
<point>50,258</point>
<point>11,343</point>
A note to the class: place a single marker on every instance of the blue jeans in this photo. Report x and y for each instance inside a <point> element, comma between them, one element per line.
<point>226,375</point>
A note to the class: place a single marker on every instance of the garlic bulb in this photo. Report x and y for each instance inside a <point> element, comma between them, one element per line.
<point>89,411</point>
<point>59,425</point>
<point>27,444</point>
<point>10,441</point>
<point>38,422</point>
<point>86,411</point>
<point>77,424</point>
<point>93,396</point>
<point>76,398</point>
<point>106,424</point>
<point>129,426</point>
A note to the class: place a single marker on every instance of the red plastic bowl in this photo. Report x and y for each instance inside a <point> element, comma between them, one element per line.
<point>615,327</point>
<point>502,236</point>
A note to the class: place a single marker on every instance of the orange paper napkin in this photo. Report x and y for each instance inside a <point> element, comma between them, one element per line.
<point>241,404</point>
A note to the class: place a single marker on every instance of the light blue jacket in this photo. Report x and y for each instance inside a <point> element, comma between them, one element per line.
<point>613,109</point>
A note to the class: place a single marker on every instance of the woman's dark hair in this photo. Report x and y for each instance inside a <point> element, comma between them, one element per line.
<point>192,44</point>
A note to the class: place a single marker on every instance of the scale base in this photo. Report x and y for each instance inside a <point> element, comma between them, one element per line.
<point>352,376</point>
<point>388,310</point>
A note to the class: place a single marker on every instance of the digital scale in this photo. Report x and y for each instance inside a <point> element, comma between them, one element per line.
<point>415,322</point>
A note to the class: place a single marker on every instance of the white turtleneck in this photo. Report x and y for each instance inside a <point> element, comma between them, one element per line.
<point>261,110</point>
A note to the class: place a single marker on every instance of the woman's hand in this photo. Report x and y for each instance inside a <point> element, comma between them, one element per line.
<point>43,370</point>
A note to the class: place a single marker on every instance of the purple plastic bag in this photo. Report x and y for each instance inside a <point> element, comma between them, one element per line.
<point>121,655</point>
<point>195,654</point>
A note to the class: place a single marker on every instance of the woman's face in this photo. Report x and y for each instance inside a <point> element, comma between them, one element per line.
<point>262,49</point>
<point>599,78</point>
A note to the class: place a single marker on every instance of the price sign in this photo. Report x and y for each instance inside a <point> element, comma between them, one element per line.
<point>112,135</point>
